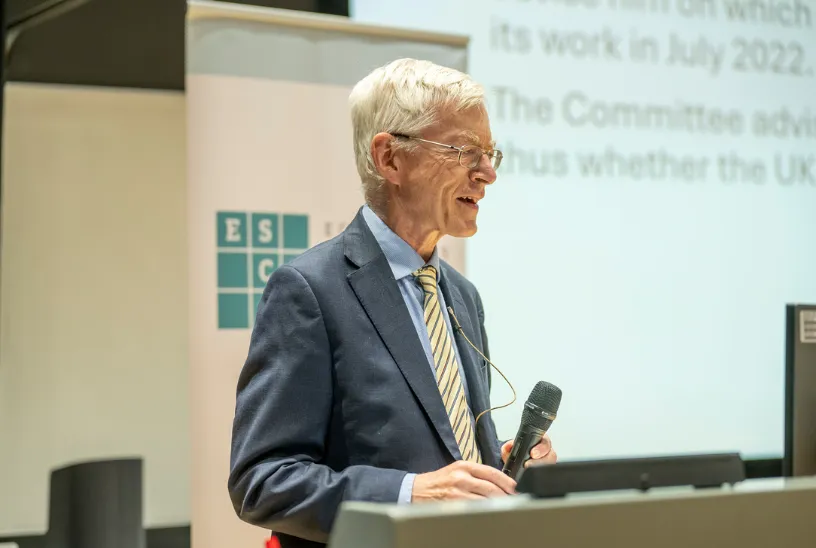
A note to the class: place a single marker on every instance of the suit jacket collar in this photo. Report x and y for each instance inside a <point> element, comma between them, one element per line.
<point>359,244</point>
<point>376,289</point>
<point>374,285</point>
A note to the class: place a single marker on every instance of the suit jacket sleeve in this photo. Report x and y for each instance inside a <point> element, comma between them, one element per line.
<point>278,479</point>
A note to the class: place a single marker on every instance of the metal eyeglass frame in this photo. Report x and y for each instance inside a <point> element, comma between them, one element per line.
<point>497,154</point>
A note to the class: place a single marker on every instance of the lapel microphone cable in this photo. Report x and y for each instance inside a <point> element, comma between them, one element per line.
<point>458,327</point>
<point>538,414</point>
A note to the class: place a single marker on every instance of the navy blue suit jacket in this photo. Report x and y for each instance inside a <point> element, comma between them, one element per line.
<point>336,401</point>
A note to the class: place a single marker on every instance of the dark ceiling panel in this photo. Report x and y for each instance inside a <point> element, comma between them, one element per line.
<point>127,43</point>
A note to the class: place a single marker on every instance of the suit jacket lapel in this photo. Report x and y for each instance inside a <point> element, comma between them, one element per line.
<point>378,293</point>
<point>473,364</point>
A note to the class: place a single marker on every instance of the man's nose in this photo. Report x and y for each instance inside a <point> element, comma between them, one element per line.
<point>484,172</point>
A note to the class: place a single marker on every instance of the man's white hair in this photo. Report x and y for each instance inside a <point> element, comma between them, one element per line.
<point>405,96</point>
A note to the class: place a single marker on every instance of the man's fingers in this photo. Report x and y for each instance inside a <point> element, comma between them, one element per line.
<point>542,448</point>
<point>551,458</point>
<point>540,451</point>
<point>484,488</point>
<point>467,495</point>
<point>496,477</point>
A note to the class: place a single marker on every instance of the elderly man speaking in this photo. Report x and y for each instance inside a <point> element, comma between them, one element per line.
<point>359,384</point>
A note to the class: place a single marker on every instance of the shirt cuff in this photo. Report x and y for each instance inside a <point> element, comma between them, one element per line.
<point>406,489</point>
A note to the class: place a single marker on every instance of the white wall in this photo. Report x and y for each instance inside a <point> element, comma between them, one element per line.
<point>93,353</point>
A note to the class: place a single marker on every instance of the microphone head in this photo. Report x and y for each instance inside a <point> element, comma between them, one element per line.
<point>547,396</point>
<point>542,405</point>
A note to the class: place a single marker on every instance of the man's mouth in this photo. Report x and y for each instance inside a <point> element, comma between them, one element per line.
<point>469,201</point>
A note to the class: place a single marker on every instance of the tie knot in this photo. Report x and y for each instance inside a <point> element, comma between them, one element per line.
<point>426,276</point>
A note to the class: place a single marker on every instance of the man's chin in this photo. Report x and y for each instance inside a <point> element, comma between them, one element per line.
<point>469,229</point>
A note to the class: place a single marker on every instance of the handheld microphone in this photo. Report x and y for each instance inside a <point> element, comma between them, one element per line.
<point>540,411</point>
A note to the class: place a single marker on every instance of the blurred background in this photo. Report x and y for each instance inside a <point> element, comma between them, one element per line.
<point>658,192</point>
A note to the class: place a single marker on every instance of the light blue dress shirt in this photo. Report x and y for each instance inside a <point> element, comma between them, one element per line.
<point>404,260</point>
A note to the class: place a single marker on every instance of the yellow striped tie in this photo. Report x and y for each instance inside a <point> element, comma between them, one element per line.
<point>447,370</point>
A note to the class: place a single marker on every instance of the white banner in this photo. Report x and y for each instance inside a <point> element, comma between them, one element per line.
<point>271,172</point>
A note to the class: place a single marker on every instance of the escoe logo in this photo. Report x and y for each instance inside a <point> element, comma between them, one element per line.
<point>250,247</point>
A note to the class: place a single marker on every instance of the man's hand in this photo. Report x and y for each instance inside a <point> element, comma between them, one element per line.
<point>462,480</point>
<point>542,452</point>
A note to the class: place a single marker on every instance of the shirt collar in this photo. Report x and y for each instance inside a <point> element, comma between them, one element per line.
<point>402,258</point>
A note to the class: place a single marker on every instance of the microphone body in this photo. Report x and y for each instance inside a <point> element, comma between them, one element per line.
<point>540,411</point>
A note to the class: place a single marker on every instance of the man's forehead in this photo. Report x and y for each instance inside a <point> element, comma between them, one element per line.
<point>464,128</point>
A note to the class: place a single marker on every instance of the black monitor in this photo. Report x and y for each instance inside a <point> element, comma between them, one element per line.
<point>699,471</point>
<point>800,391</point>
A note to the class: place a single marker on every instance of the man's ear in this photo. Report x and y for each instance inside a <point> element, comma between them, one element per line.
<point>386,159</point>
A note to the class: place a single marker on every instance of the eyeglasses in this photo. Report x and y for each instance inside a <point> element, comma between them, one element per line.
<point>469,155</point>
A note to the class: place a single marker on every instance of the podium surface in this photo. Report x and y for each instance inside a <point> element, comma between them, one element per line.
<point>753,514</point>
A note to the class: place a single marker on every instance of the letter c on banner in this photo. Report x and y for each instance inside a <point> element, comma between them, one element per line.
<point>265,268</point>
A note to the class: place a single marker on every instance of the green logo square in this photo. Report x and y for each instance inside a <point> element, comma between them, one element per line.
<point>263,265</point>
<point>232,229</point>
<point>232,270</point>
<point>251,246</point>
<point>233,311</point>
<point>295,231</point>
<point>265,230</point>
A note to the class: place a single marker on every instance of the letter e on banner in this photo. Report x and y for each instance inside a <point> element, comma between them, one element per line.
<point>233,233</point>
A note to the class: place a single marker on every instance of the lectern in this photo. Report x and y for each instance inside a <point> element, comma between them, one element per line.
<point>753,514</point>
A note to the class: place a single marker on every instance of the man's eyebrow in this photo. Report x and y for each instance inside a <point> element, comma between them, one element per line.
<point>474,139</point>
